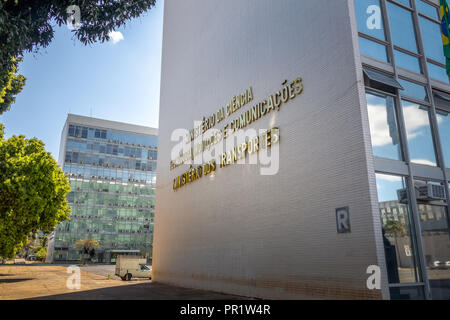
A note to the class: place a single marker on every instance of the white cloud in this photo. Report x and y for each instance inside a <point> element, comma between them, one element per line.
<point>389,178</point>
<point>417,123</point>
<point>424,162</point>
<point>379,127</point>
<point>115,36</point>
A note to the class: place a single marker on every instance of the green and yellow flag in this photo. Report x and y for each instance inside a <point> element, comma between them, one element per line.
<point>445,19</point>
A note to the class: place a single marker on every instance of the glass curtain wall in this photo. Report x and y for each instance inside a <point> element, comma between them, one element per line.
<point>112,175</point>
<point>410,135</point>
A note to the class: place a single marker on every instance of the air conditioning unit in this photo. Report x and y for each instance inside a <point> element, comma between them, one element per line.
<point>430,192</point>
<point>426,192</point>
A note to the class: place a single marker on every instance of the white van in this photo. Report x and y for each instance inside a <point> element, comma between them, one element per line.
<point>128,267</point>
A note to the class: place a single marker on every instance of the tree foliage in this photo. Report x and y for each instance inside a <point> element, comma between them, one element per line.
<point>33,192</point>
<point>41,253</point>
<point>394,227</point>
<point>11,83</point>
<point>27,25</point>
<point>87,245</point>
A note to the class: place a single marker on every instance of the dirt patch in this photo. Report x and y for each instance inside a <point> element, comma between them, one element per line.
<point>31,281</point>
<point>49,282</point>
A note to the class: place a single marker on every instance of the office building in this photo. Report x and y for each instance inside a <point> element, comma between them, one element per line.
<point>111,169</point>
<point>357,101</point>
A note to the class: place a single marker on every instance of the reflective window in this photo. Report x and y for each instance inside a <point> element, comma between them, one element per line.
<point>383,126</point>
<point>400,252</point>
<point>420,140</point>
<point>443,119</point>
<point>404,2</point>
<point>437,72</point>
<point>413,90</point>
<point>373,49</point>
<point>108,186</point>
<point>435,236</point>
<point>71,130</point>
<point>402,27</point>
<point>427,9</point>
<point>407,293</point>
<point>406,61</point>
<point>432,41</point>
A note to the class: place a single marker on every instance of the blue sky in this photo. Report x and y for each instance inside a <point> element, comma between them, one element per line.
<point>115,81</point>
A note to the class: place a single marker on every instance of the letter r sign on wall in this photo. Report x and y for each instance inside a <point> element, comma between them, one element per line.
<point>343,220</point>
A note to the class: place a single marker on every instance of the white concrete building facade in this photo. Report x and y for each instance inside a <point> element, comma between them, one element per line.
<point>342,136</point>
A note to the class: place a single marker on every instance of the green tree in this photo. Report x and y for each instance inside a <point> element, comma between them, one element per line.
<point>33,192</point>
<point>43,241</point>
<point>395,228</point>
<point>11,83</point>
<point>87,247</point>
<point>41,254</point>
<point>27,25</point>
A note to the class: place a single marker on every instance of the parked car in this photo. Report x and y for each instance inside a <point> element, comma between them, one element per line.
<point>128,267</point>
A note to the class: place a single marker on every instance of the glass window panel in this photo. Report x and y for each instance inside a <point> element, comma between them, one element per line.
<point>77,131</point>
<point>373,49</point>
<point>413,90</point>
<point>407,293</point>
<point>438,73</point>
<point>443,119</point>
<point>369,18</point>
<point>432,40</point>
<point>400,253</point>
<point>383,126</point>
<point>436,243</point>
<point>402,27</point>
<point>110,135</point>
<point>420,140</point>
<point>404,2</point>
<point>407,61</point>
<point>91,133</point>
<point>427,9</point>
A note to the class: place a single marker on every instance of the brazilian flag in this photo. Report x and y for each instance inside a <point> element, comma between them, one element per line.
<point>445,19</point>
